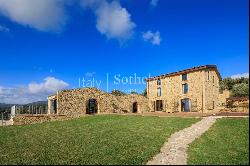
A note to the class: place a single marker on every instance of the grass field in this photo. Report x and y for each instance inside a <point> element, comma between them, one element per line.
<point>227,142</point>
<point>105,139</point>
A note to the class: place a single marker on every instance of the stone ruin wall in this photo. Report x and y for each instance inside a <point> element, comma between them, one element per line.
<point>75,101</point>
<point>222,99</point>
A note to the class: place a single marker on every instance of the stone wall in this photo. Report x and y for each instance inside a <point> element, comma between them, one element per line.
<point>237,104</point>
<point>211,90</point>
<point>75,101</point>
<point>201,91</point>
<point>33,119</point>
<point>223,96</point>
<point>240,106</point>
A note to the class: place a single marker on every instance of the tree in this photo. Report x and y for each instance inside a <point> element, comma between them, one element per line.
<point>240,90</point>
<point>144,93</point>
<point>241,80</point>
<point>226,83</point>
<point>133,92</point>
<point>117,92</point>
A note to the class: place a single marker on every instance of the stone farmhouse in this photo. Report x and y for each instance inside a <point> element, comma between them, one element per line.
<point>191,90</point>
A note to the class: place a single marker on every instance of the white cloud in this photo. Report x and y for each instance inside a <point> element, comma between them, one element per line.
<point>154,38</point>
<point>49,85</point>
<point>32,92</point>
<point>153,3</point>
<point>4,29</point>
<point>43,15</point>
<point>112,20</point>
<point>245,75</point>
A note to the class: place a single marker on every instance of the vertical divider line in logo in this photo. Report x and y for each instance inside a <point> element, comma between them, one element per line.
<point>107,82</point>
<point>79,82</point>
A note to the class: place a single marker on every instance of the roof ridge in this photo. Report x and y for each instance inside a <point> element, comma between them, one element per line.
<point>196,68</point>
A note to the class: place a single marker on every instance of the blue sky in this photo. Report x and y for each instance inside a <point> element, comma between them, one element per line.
<point>53,44</point>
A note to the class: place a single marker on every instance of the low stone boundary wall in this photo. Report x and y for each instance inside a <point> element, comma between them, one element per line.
<point>33,119</point>
<point>236,109</point>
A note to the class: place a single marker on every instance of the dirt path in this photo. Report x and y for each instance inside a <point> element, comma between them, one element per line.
<point>174,151</point>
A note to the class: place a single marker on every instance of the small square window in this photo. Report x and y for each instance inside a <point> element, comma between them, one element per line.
<point>158,82</point>
<point>184,77</point>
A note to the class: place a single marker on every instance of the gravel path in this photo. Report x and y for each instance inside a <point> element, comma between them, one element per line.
<point>174,151</point>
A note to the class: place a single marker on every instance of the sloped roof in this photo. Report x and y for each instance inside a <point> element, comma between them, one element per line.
<point>186,71</point>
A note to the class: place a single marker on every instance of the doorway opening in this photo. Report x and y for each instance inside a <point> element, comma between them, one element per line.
<point>53,106</point>
<point>92,106</point>
<point>185,105</point>
<point>159,105</point>
<point>135,107</point>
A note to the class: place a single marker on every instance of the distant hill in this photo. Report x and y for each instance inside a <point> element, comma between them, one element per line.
<point>3,105</point>
<point>36,103</point>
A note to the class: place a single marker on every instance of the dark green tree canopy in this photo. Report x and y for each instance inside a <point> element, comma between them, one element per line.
<point>117,92</point>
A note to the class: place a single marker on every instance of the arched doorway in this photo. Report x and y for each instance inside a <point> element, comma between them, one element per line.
<point>92,106</point>
<point>135,107</point>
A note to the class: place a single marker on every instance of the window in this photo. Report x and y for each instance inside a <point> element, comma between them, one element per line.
<point>213,79</point>
<point>185,88</point>
<point>184,77</point>
<point>158,92</point>
<point>158,82</point>
<point>208,75</point>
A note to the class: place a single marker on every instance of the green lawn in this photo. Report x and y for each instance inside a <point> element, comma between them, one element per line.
<point>104,139</point>
<point>227,142</point>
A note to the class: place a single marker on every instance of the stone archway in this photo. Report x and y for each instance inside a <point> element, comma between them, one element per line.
<point>135,107</point>
<point>91,106</point>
